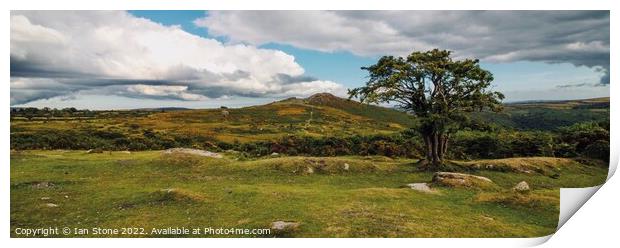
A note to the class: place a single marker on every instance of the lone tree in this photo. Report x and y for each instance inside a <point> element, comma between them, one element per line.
<point>436,89</point>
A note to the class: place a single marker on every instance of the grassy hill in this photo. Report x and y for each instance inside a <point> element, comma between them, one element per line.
<point>317,116</point>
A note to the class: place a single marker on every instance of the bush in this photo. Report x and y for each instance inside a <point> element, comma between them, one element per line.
<point>584,134</point>
<point>589,139</point>
<point>584,139</point>
<point>503,144</point>
<point>598,150</point>
<point>565,150</point>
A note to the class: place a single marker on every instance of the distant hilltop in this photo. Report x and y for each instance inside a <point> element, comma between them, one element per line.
<point>591,103</point>
<point>324,99</point>
<point>587,100</point>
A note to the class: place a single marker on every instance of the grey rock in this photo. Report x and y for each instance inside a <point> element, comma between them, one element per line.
<point>460,179</point>
<point>43,185</point>
<point>522,187</point>
<point>96,150</point>
<point>282,226</point>
<point>422,187</point>
<point>462,176</point>
<point>194,152</point>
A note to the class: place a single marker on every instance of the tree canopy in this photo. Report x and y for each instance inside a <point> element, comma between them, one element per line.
<point>433,87</point>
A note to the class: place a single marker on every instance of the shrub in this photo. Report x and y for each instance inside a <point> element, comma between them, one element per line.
<point>599,150</point>
<point>583,134</point>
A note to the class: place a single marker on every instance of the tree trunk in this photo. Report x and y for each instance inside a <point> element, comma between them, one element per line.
<point>429,147</point>
<point>435,141</point>
<point>436,145</point>
<point>440,145</point>
<point>445,145</point>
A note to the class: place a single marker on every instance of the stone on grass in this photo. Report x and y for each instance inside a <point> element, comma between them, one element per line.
<point>422,187</point>
<point>194,152</point>
<point>346,166</point>
<point>96,150</point>
<point>526,171</point>
<point>43,185</point>
<point>51,205</point>
<point>45,198</point>
<point>454,179</point>
<point>522,187</point>
<point>284,226</point>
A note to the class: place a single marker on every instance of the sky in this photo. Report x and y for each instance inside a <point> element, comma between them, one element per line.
<point>205,59</point>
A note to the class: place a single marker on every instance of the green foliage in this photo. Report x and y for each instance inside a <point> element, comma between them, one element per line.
<point>108,140</point>
<point>583,134</point>
<point>585,139</point>
<point>504,144</point>
<point>433,87</point>
<point>598,149</point>
<point>589,139</point>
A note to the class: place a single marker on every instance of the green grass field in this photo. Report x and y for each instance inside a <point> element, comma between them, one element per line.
<point>155,190</point>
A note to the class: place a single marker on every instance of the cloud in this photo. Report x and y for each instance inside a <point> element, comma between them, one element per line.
<point>579,85</point>
<point>163,91</point>
<point>59,53</point>
<point>577,37</point>
<point>24,90</point>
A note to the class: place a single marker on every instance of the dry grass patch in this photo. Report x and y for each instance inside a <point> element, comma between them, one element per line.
<point>291,111</point>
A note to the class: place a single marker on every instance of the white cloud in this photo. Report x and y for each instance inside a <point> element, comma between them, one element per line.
<point>92,50</point>
<point>174,91</point>
<point>577,37</point>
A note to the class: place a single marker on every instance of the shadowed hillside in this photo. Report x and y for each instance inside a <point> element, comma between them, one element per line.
<point>549,115</point>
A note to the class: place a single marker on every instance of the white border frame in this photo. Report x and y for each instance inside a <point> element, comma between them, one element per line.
<point>592,220</point>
